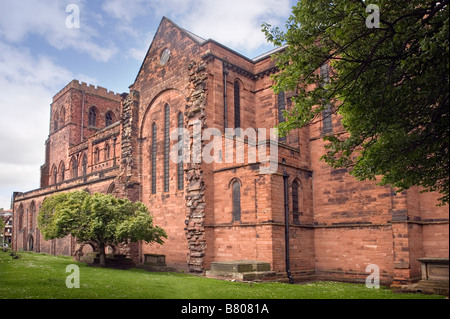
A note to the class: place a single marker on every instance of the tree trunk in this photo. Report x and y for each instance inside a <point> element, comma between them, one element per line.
<point>102,253</point>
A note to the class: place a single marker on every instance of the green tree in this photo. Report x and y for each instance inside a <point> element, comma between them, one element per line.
<point>389,84</point>
<point>99,218</point>
<point>2,232</point>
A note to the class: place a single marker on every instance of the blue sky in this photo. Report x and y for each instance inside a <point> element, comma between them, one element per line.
<point>39,55</point>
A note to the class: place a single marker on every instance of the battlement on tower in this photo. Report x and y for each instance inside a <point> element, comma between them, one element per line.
<point>89,89</point>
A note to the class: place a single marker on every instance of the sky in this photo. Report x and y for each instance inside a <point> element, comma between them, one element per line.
<point>40,54</point>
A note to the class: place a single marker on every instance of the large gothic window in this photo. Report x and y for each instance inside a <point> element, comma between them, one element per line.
<point>20,214</point>
<point>236,200</point>
<point>237,105</point>
<point>327,123</point>
<point>154,158</point>
<point>180,172</point>
<point>166,146</point>
<point>32,215</point>
<point>295,201</point>
<point>281,109</point>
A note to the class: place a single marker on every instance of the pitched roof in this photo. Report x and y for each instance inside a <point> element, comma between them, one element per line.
<point>201,41</point>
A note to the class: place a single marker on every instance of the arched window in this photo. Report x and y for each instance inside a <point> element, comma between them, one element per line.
<point>109,119</point>
<point>62,171</point>
<point>327,123</point>
<point>236,200</point>
<point>74,163</point>
<point>92,117</point>
<point>107,151</point>
<point>325,73</point>
<point>96,155</point>
<point>180,171</point>
<point>237,105</point>
<point>32,216</point>
<point>20,216</point>
<point>55,175</point>
<point>62,117</point>
<point>111,188</point>
<point>327,119</point>
<point>84,164</point>
<point>166,146</point>
<point>55,121</point>
<point>154,158</point>
<point>295,201</point>
<point>281,109</point>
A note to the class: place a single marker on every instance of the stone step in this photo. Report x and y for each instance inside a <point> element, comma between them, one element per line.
<point>242,270</point>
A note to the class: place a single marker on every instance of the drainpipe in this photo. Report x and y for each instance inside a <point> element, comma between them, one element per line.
<point>225,109</point>
<point>286,222</point>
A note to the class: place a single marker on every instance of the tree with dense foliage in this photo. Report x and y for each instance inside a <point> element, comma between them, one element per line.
<point>388,81</point>
<point>99,218</point>
<point>2,233</point>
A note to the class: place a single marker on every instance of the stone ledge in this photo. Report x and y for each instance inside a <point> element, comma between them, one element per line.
<point>244,276</point>
<point>242,270</point>
<point>240,266</point>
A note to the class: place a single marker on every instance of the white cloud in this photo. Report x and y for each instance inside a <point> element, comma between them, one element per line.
<point>235,23</point>
<point>124,10</point>
<point>28,84</point>
<point>47,18</point>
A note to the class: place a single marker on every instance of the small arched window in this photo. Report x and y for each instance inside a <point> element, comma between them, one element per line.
<point>92,117</point>
<point>96,155</point>
<point>108,119</point>
<point>84,164</point>
<point>107,151</point>
<point>236,188</point>
<point>74,163</point>
<point>62,118</point>
<point>62,171</point>
<point>55,121</point>
<point>111,188</point>
<point>55,175</point>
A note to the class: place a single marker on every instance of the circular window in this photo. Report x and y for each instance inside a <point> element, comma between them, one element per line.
<point>165,56</point>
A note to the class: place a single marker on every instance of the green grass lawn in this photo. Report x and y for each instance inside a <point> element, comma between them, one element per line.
<point>41,276</point>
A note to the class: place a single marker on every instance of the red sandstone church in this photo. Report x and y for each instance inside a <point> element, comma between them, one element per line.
<point>219,210</point>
